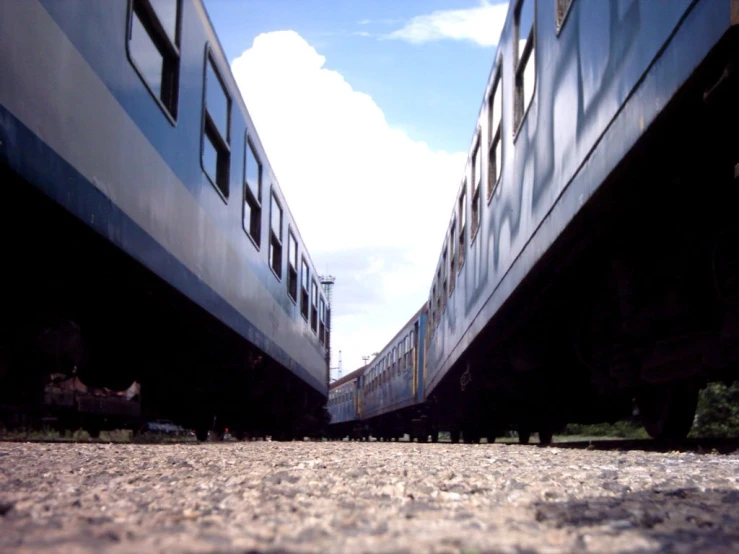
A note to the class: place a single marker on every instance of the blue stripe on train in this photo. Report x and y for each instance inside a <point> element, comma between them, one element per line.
<point>41,165</point>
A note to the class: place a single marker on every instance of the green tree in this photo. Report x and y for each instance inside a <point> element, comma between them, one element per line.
<point>717,414</point>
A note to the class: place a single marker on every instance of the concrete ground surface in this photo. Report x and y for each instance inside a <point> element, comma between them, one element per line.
<point>363,497</point>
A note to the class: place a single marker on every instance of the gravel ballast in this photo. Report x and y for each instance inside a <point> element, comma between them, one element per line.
<point>363,497</point>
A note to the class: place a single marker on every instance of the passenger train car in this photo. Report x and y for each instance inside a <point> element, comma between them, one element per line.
<point>344,406</point>
<point>148,250</point>
<point>591,256</point>
<point>386,397</point>
<point>590,265</point>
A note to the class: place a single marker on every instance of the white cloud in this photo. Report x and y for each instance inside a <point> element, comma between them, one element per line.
<point>481,25</point>
<point>371,203</point>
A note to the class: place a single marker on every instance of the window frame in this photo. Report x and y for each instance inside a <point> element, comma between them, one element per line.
<point>476,213</point>
<point>274,200</point>
<point>321,320</point>
<point>452,256</point>
<point>305,275</point>
<point>444,277</point>
<point>291,236</point>
<point>462,233</point>
<point>163,40</point>
<point>314,307</point>
<point>209,127</point>
<point>249,145</point>
<point>495,137</point>
<point>519,67</point>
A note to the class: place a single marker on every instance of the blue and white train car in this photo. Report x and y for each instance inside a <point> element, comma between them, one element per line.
<point>392,385</point>
<point>591,253</point>
<point>146,240</point>
<point>344,405</point>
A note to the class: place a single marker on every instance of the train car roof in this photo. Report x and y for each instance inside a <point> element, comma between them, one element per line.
<point>346,378</point>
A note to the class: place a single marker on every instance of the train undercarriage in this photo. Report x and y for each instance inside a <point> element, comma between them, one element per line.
<point>91,339</point>
<point>636,307</point>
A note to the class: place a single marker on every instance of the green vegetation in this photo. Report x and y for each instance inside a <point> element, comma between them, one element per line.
<point>718,411</point>
<point>50,434</point>
<point>717,416</point>
<point>619,429</point>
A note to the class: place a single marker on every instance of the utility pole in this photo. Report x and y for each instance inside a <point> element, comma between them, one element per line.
<point>337,368</point>
<point>327,283</point>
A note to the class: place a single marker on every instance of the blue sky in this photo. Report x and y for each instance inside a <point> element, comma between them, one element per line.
<point>431,90</point>
<point>380,100</point>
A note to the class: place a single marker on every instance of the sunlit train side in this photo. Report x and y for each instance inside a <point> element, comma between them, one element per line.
<point>344,405</point>
<point>394,382</point>
<point>389,390</point>
<point>151,246</point>
<point>590,256</point>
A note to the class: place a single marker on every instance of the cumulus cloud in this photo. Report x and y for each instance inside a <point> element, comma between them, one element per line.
<point>481,25</point>
<point>371,203</point>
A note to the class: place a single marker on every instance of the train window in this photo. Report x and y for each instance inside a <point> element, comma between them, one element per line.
<point>252,194</point>
<point>275,236</point>
<point>314,307</point>
<point>563,8</point>
<point>217,100</point>
<point>413,347</point>
<point>292,266</point>
<point>327,324</point>
<point>476,180</point>
<point>495,113</point>
<point>452,256</point>
<point>462,224</point>
<point>444,281</point>
<point>525,65</point>
<point>154,49</point>
<point>216,129</point>
<point>407,351</point>
<point>395,356</point>
<point>437,302</point>
<point>432,311</point>
<point>321,320</point>
<point>305,279</point>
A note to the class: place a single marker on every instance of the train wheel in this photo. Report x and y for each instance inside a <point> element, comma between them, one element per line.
<point>667,411</point>
<point>524,435</point>
<point>201,433</point>
<point>546,435</point>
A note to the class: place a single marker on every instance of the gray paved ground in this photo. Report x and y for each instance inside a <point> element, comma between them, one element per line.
<point>363,497</point>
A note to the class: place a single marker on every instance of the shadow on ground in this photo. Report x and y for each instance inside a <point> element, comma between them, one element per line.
<point>699,520</point>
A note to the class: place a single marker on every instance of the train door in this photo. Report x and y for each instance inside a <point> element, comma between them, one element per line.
<point>421,339</point>
<point>360,396</point>
<point>415,360</point>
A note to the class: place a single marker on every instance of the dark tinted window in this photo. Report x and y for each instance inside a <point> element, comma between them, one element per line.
<point>146,55</point>
<point>166,11</point>
<point>252,193</point>
<point>292,251</point>
<point>217,101</point>
<point>210,158</point>
<point>253,171</point>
